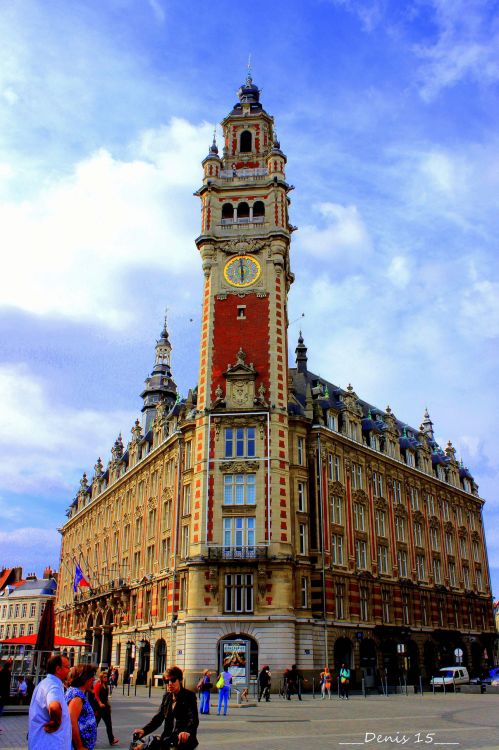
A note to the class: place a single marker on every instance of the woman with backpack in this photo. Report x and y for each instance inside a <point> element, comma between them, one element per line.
<point>223,684</point>
<point>204,686</point>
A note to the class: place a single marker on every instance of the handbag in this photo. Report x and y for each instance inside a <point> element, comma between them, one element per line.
<point>220,682</point>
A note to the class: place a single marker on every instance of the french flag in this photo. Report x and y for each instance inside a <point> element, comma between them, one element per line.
<point>79,579</point>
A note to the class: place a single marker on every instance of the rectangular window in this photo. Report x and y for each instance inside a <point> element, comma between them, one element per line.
<point>185,541</point>
<point>300,449</point>
<point>188,455</point>
<point>330,466</point>
<point>2,627</point>
<point>337,549</point>
<point>32,610</point>
<point>357,476</point>
<point>14,631</point>
<point>457,619</point>
<point>479,579</point>
<point>4,611</point>
<point>462,547</point>
<point>116,544</point>
<point>337,468</point>
<point>405,608</point>
<point>332,421</point>
<point>361,554</point>
<point>31,629</point>
<point>136,564</point>
<point>400,528</point>
<point>183,592</point>
<point>24,610</point>
<point>240,442</point>
<point>336,510</point>
<point>418,534</point>
<point>466,577</point>
<point>239,534</point>
<point>340,601</point>
<point>359,515</point>
<point>147,607</point>
<point>163,602</point>
<point>302,505</point>
<point>126,537</point>
<point>386,605</point>
<point>420,567</point>
<point>441,612</point>
<point>430,504</point>
<point>304,592</point>
<point>414,494</point>
<point>434,544</point>
<point>239,489</point>
<point>449,544</point>
<point>21,629</point>
<point>377,484</point>
<point>425,610</point>
<point>151,523</point>
<point>165,553</point>
<point>476,551</point>
<point>402,563</point>
<point>380,523</point>
<point>166,515</point>
<point>382,559</point>
<point>239,592</point>
<point>445,510</point>
<point>437,570</point>
<point>7,631</point>
<point>397,492</point>
<point>186,509</point>
<point>150,558</point>
<point>16,610</point>
<point>138,530</point>
<point>459,515</point>
<point>409,458</point>
<point>302,531</point>
<point>452,573</point>
<point>364,603</point>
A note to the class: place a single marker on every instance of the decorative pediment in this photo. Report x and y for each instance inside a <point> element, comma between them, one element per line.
<point>418,516</point>
<point>359,496</point>
<point>475,536</point>
<point>240,390</point>
<point>239,467</point>
<point>336,488</point>
<point>449,528</point>
<point>380,503</point>
<point>243,247</point>
<point>434,522</point>
<point>463,532</point>
<point>400,510</point>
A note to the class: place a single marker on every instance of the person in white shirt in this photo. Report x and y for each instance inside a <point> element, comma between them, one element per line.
<point>49,722</point>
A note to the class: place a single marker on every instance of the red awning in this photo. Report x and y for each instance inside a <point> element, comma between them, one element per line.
<point>30,640</point>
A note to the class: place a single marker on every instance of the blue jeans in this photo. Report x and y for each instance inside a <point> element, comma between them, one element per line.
<point>204,702</point>
<point>223,696</point>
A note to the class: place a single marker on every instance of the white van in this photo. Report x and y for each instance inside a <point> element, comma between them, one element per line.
<point>450,676</point>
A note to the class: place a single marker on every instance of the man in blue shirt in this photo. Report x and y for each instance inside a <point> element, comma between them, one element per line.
<point>49,723</point>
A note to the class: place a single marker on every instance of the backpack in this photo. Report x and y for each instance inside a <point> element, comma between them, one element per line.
<point>200,684</point>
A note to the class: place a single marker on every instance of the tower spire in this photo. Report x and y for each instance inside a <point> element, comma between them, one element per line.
<point>249,77</point>
<point>159,386</point>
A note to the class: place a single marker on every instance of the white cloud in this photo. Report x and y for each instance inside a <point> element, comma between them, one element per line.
<point>43,444</point>
<point>19,548</point>
<point>70,247</point>
<point>480,309</point>
<point>341,236</point>
<point>398,271</point>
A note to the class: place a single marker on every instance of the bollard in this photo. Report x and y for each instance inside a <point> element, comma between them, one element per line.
<point>238,697</point>
<point>313,688</point>
<point>128,686</point>
<point>135,687</point>
<point>150,686</point>
<point>364,687</point>
<point>123,687</point>
<point>421,685</point>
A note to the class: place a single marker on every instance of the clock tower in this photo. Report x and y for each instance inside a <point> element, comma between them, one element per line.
<point>242,519</point>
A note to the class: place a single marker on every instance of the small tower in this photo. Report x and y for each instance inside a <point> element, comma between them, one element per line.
<point>160,386</point>
<point>301,355</point>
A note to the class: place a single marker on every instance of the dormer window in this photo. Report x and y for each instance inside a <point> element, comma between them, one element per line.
<point>409,458</point>
<point>466,485</point>
<point>332,421</point>
<point>246,142</point>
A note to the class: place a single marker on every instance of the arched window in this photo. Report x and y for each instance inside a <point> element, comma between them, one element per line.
<point>258,209</point>
<point>243,211</point>
<point>228,211</point>
<point>245,143</point>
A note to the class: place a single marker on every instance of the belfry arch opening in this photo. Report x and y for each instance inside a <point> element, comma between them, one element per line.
<point>227,211</point>
<point>245,144</point>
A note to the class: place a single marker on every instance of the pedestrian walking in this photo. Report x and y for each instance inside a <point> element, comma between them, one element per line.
<point>344,681</point>
<point>49,725</point>
<point>264,679</point>
<point>223,684</point>
<point>292,682</point>
<point>204,687</point>
<point>326,680</point>
<point>83,722</point>
<point>101,693</point>
<point>22,690</point>
<point>178,711</point>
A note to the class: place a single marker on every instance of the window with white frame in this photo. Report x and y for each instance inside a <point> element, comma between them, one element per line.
<point>452,573</point>
<point>377,484</point>
<point>330,466</point>
<point>239,592</point>
<point>418,534</point>
<point>150,558</point>
<point>239,489</point>
<point>463,547</point>
<point>466,485</point>
<point>380,518</point>
<point>16,610</point>
<point>364,603</point>
<point>409,458</point>
<point>479,579</point>
<point>402,563</point>
<point>337,549</point>
<point>382,559</point>
<point>186,507</point>
<point>466,577</point>
<point>239,532</point>
<point>302,498</point>
<point>340,601</point>
<point>183,592</point>
<point>434,538</point>
<point>405,608</point>
<point>440,472</point>
<point>476,550</point>
<point>459,515</point>
<point>302,537</point>
<point>400,528</point>
<point>449,543</point>
<point>414,495</point>
<point>332,421</point>
<point>188,455</point>
<point>337,510</point>
<point>359,515</point>
<point>31,628</point>
<point>353,430</point>
<point>7,631</point>
<point>445,510</point>
<point>386,604</point>
<point>437,570</point>
<point>420,567</point>
<point>24,609</point>
<point>240,442</point>
<point>357,476</point>
<point>304,592</point>
<point>2,627</point>
<point>361,554</point>
<point>14,630</point>
<point>440,611</point>
<point>165,553</point>
<point>32,610</point>
<point>425,610</point>
<point>151,522</point>
<point>185,541</point>
<point>300,451</point>
<point>430,504</point>
<point>397,492</point>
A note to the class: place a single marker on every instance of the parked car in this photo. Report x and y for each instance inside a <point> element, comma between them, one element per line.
<point>489,677</point>
<point>450,676</point>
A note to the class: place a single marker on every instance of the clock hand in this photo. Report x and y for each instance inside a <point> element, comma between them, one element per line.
<point>241,266</point>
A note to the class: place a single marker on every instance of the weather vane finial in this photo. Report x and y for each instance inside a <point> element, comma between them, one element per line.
<point>249,78</point>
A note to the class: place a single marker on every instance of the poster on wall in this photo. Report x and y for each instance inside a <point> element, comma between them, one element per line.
<point>234,655</point>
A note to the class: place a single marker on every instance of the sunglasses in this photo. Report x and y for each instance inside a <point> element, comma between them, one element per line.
<point>171,679</point>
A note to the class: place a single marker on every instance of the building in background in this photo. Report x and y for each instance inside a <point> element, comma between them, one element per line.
<point>271,517</point>
<point>22,604</point>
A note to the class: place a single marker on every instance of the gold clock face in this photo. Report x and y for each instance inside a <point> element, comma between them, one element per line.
<point>243,270</point>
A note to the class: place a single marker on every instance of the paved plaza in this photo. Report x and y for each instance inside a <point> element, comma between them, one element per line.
<point>463,722</point>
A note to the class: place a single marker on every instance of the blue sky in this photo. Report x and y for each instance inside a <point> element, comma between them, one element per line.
<point>388,113</point>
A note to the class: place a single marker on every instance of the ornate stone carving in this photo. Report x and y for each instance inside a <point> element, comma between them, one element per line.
<point>359,496</point>
<point>242,247</point>
<point>400,510</point>
<point>239,467</point>
<point>418,516</point>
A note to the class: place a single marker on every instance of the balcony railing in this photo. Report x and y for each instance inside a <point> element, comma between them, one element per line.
<point>245,220</point>
<point>228,174</point>
<point>237,553</point>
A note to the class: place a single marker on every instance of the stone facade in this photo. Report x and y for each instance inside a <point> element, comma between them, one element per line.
<point>271,517</point>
